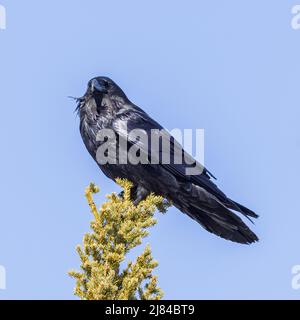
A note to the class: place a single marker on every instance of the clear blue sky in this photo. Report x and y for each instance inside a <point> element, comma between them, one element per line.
<point>230,67</point>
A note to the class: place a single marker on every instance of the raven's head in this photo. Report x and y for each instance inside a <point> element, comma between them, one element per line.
<point>101,87</point>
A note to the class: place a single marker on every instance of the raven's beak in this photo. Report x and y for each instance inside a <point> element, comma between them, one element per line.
<point>96,86</point>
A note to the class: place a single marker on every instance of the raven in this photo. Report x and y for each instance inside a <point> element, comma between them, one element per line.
<point>105,106</point>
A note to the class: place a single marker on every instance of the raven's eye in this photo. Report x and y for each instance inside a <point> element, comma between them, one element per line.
<point>97,86</point>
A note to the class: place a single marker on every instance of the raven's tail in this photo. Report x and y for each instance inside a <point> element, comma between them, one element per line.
<point>213,215</point>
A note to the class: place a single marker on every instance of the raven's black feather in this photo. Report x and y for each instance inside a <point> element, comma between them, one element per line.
<point>197,196</point>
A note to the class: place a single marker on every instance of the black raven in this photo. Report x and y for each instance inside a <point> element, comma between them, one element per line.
<point>105,106</point>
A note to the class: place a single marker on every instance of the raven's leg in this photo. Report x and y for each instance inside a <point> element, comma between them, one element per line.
<point>139,195</point>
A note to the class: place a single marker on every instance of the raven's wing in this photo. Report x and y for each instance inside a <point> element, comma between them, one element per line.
<point>135,118</point>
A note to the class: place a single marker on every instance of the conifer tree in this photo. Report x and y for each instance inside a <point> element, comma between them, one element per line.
<point>118,227</point>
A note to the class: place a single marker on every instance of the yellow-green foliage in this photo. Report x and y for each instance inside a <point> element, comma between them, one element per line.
<point>117,227</point>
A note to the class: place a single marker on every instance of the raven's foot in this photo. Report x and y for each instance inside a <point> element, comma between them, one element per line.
<point>139,194</point>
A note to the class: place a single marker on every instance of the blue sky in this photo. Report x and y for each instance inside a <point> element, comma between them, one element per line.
<point>230,67</point>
